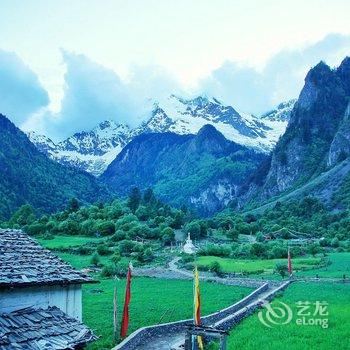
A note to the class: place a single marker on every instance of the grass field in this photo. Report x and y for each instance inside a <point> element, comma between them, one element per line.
<point>153,301</point>
<point>158,301</point>
<point>255,266</point>
<point>251,334</point>
<point>80,261</point>
<point>340,265</point>
<point>66,241</point>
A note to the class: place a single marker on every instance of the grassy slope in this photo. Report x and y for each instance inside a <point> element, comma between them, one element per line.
<point>251,266</point>
<point>67,241</point>
<point>251,334</point>
<point>340,265</point>
<point>81,261</point>
<point>153,301</point>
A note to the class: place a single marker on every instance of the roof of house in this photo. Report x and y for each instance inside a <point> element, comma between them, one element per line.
<point>24,262</point>
<point>42,330</point>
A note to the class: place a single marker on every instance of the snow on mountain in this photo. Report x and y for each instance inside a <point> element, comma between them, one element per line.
<point>183,116</point>
<point>91,151</point>
<point>94,150</point>
<point>281,113</point>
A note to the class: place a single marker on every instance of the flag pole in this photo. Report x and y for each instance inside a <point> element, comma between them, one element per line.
<point>194,306</point>
<point>125,320</point>
<point>115,311</point>
<point>290,268</point>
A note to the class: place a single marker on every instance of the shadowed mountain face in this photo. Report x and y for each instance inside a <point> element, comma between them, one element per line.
<point>28,176</point>
<point>316,138</point>
<point>202,170</point>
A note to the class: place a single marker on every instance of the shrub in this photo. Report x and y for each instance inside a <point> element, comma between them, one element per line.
<point>194,229</point>
<point>281,269</point>
<point>335,242</point>
<point>95,260</point>
<point>168,236</point>
<point>69,227</point>
<point>216,250</point>
<point>187,258</point>
<point>126,247</point>
<point>260,237</point>
<point>143,213</point>
<point>258,249</point>
<point>216,268</point>
<point>105,227</point>
<point>102,249</point>
<point>109,271</point>
<point>145,256</point>
<point>314,248</point>
<point>277,252</point>
<point>118,236</point>
<point>35,229</point>
<point>48,236</point>
<point>232,234</point>
<point>116,257</point>
<point>121,269</point>
<point>83,250</point>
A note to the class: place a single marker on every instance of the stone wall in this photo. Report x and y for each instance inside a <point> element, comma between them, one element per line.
<point>205,276</point>
<point>67,298</point>
<point>231,320</point>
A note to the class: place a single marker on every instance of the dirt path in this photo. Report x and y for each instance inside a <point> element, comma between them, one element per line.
<point>174,272</point>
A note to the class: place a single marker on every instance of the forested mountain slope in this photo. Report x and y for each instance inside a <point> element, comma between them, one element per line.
<point>28,176</point>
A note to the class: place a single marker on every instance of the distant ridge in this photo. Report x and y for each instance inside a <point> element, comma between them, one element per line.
<point>94,150</point>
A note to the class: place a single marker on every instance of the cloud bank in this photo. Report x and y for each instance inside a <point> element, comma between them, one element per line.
<point>94,93</point>
<point>21,93</point>
<point>281,79</point>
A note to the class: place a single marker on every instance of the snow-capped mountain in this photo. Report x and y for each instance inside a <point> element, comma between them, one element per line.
<point>91,151</point>
<point>94,150</point>
<point>183,116</point>
<point>281,112</point>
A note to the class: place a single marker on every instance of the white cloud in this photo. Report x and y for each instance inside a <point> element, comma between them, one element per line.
<point>281,78</point>
<point>93,93</point>
<point>21,93</point>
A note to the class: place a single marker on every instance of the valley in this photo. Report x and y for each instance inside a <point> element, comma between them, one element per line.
<point>253,194</point>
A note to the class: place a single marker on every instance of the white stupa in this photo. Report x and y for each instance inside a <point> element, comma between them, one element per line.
<point>189,247</point>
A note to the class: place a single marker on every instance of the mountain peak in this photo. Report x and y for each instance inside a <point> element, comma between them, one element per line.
<point>208,131</point>
<point>319,73</point>
<point>345,64</point>
<point>343,73</point>
<point>210,140</point>
<point>107,124</point>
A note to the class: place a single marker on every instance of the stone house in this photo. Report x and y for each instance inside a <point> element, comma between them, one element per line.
<point>40,297</point>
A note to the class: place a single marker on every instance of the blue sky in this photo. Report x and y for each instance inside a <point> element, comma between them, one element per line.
<point>67,65</point>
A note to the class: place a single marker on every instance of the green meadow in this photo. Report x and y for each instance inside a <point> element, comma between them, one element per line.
<point>61,241</point>
<point>255,266</point>
<point>339,265</point>
<point>153,301</point>
<point>158,300</point>
<point>80,261</point>
<point>251,334</point>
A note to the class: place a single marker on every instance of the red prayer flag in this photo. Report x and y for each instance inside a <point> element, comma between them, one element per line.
<point>290,269</point>
<point>125,320</point>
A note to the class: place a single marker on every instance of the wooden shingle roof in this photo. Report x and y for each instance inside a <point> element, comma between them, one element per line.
<point>42,329</point>
<point>24,262</point>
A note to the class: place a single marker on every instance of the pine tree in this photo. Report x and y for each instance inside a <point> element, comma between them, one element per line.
<point>134,199</point>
